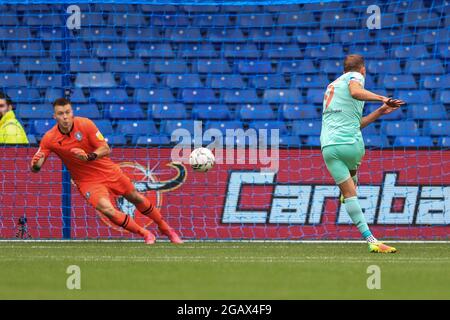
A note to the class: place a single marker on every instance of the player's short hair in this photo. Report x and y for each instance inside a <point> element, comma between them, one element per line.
<point>353,62</point>
<point>61,102</point>
<point>5,97</point>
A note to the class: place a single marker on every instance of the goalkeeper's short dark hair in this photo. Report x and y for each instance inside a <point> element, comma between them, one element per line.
<point>61,102</point>
<point>5,97</point>
<point>353,62</point>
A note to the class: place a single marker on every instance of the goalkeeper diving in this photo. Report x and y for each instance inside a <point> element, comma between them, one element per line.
<point>84,151</point>
<point>341,139</point>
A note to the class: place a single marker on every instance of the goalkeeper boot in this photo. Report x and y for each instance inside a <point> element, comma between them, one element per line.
<point>174,238</point>
<point>380,247</point>
<point>149,238</point>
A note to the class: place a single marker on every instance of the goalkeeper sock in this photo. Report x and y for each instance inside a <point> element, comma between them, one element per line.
<point>126,222</point>
<point>354,211</point>
<point>149,210</point>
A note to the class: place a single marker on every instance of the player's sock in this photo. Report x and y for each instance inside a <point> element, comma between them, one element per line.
<point>354,211</point>
<point>125,221</point>
<point>149,210</point>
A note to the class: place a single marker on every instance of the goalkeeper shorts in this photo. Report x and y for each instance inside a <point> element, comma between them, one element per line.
<point>341,158</point>
<point>95,190</point>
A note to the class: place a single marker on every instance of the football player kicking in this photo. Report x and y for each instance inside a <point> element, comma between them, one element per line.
<point>341,139</point>
<point>84,151</point>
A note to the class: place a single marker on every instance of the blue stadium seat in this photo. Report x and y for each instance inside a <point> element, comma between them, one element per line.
<point>32,139</point>
<point>211,20</point>
<point>9,80</point>
<point>153,140</point>
<point>136,128</point>
<point>354,36</point>
<point>153,95</point>
<point>402,36</point>
<point>154,50</point>
<point>240,50</point>
<point>312,141</point>
<point>443,50</point>
<point>424,66</point>
<point>76,96</point>
<point>241,9</point>
<point>99,34</point>
<point>256,112</point>
<point>145,34</point>
<point>377,141</point>
<point>51,94</point>
<point>307,127</point>
<point>277,35</point>
<point>224,125</point>
<point>109,95</point>
<point>405,6</point>
<point>421,19</point>
<point>405,141</point>
<point>412,96</point>
<point>91,18</point>
<point>85,65</point>
<point>201,8</point>
<point>109,49</point>
<point>436,127</point>
<point>198,96</point>
<point>282,96</point>
<point>445,96</point>
<point>239,96</point>
<point>290,141</point>
<point>169,20</point>
<point>321,6</point>
<point>41,19</point>
<point>116,140</point>
<point>125,65</point>
<point>197,50</point>
<point>251,20</point>
<point>86,110</point>
<point>299,111</point>
<point>38,64</point>
<point>426,111</point>
<point>169,126</point>
<point>436,82</point>
<point>269,125</point>
<point>396,115</point>
<point>434,36</point>
<point>297,19</point>
<point>50,34</point>
<point>297,67</point>
<point>211,66</point>
<point>40,127</point>
<point>268,81</point>
<point>444,142</point>
<point>95,80</point>
<point>76,50</point>
<point>158,8</point>
<point>370,130</point>
<point>332,66</point>
<point>325,52</point>
<point>400,81</point>
<point>338,19</point>
<point>168,66</point>
<point>104,126</point>
<point>315,96</point>
<point>126,19</point>
<point>368,51</point>
<point>211,112</point>
<point>136,80</point>
<point>386,66</point>
<point>9,18</point>
<point>34,111</point>
<point>28,95</point>
<point>6,64</point>
<point>305,36</point>
<point>167,111</point>
<point>15,34</point>
<point>124,111</point>
<point>225,35</point>
<point>389,20</point>
<point>282,51</point>
<point>25,49</point>
<point>254,66</point>
<point>183,81</point>
<point>114,7</point>
<point>188,34</point>
<point>282,8</point>
<point>400,128</point>
<point>223,81</point>
<point>310,81</point>
<point>47,80</point>
<point>410,52</point>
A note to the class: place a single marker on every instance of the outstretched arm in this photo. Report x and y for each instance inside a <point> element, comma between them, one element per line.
<point>359,93</point>
<point>384,109</point>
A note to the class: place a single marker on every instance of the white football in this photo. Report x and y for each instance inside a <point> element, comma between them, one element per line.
<point>202,159</point>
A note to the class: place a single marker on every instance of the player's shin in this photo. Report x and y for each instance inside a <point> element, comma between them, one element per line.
<point>149,210</point>
<point>355,212</point>
<point>126,222</point>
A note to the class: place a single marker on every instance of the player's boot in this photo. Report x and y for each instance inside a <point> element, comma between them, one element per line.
<point>341,198</point>
<point>174,238</point>
<point>149,238</point>
<point>380,247</point>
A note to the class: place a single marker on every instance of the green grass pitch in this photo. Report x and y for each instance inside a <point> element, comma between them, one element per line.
<point>233,270</point>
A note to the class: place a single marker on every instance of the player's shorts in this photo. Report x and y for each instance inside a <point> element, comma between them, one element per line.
<point>94,191</point>
<point>341,158</point>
